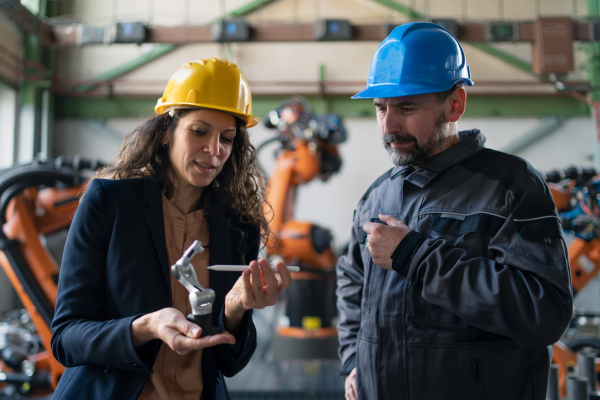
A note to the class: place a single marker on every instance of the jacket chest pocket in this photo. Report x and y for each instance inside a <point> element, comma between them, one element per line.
<point>461,224</point>
<point>472,232</point>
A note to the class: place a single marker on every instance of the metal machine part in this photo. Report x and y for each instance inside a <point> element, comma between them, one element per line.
<point>37,202</point>
<point>201,299</point>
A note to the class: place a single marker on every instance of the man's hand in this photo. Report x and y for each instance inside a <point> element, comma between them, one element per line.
<point>383,239</point>
<point>350,385</point>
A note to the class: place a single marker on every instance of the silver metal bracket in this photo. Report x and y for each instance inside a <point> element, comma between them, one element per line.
<point>201,299</point>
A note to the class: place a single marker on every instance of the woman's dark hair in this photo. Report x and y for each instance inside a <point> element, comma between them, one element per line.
<point>240,184</point>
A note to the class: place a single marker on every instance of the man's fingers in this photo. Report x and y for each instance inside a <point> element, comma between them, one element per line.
<point>368,226</point>
<point>350,385</point>
<point>390,220</point>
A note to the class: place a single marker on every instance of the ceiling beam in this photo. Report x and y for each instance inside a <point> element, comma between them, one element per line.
<point>28,22</point>
<point>167,38</point>
<point>479,106</point>
<point>67,35</point>
<point>409,12</point>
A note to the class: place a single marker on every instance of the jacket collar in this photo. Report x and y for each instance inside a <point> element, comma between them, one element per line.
<point>471,141</point>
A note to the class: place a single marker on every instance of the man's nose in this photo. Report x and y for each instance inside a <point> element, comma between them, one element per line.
<point>391,123</point>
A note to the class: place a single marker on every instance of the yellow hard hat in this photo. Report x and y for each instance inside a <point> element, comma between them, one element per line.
<point>211,83</point>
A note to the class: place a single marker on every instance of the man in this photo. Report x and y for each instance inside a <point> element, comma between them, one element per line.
<point>456,282</point>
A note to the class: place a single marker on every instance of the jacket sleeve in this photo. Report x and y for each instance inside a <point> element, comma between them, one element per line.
<point>82,335</point>
<point>350,280</point>
<point>233,358</point>
<point>521,288</point>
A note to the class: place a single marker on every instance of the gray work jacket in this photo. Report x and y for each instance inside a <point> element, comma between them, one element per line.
<point>481,287</point>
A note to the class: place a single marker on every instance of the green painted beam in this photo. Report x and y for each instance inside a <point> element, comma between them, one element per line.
<point>593,53</point>
<point>409,12</point>
<point>88,107</point>
<point>477,106</point>
<point>524,106</point>
<point>163,49</point>
<point>489,49</point>
<point>248,8</point>
<point>129,66</point>
<point>593,56</point>
<point>503,56</point>
<point>485,106</point>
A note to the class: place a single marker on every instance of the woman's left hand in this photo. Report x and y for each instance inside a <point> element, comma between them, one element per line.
<point>258,286</point>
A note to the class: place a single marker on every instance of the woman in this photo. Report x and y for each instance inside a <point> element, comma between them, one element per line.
<point>187,174</point>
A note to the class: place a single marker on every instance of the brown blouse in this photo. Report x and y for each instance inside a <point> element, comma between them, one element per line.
<point>176,377</point>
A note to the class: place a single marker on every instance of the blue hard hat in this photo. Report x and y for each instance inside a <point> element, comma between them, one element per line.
<point>416,58</point>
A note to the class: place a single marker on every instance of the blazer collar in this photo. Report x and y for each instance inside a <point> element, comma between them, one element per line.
<point>154,217</point>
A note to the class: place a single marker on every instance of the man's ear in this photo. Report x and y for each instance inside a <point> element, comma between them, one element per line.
<point>458,102</point>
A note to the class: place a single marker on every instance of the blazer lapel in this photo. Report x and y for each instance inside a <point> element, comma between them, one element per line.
<point>155,219</point>
<point>219,233</point>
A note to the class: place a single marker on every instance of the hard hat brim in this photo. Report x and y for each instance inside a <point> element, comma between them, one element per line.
<point>249,120</point>
<point>394,90</point>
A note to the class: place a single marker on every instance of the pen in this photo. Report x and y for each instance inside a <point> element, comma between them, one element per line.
<point>241,268</point>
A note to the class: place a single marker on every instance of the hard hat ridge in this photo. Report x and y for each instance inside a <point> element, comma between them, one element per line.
<point>416,58</point>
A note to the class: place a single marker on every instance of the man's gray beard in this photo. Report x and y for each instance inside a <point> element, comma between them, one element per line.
<point>418,154</point>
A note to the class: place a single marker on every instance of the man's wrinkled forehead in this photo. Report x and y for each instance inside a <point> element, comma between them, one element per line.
<point>402,101</point>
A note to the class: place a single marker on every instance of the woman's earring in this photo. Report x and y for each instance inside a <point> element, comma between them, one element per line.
<point>165,145</point>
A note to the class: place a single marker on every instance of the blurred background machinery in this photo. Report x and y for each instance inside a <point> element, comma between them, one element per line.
<point>307,150</point>
<point>76,76</point>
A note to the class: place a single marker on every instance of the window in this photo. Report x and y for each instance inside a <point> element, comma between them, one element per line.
<point>7,125</point>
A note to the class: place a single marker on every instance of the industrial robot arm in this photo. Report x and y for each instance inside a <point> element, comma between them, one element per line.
<point>201,299</point>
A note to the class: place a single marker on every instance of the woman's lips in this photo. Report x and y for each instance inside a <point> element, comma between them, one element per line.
<point>209,168</point>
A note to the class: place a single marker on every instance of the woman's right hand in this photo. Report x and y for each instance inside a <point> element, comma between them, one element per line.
<point>171,326</point>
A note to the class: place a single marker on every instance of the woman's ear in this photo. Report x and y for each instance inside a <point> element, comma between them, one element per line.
<point>458,102</point>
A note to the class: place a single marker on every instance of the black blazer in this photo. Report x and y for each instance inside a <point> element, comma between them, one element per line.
<point>115,269</point>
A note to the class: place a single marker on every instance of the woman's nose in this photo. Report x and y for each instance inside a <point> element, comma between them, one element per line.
<point>213,145</point>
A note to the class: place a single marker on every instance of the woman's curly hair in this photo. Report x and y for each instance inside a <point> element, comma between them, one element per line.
<point>240,184</point>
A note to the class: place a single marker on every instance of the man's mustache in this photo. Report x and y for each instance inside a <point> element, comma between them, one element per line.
<point>396,137</point>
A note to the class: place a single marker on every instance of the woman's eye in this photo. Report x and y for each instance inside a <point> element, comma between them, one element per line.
<point>198,132</point>
<point>227,139</point>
